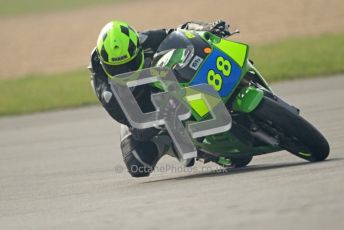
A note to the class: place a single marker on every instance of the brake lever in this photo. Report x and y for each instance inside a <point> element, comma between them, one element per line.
<point>237,31</point>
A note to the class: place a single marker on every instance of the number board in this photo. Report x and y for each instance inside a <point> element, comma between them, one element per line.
<point>219,71</point>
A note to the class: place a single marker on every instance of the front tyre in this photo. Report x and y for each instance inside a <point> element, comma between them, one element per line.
<point>296,135</point>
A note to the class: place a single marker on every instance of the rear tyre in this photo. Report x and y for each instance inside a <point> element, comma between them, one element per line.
<point>298,136</point>
<point>241,162</point>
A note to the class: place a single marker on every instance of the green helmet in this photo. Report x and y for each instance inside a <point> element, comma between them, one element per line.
<point>119,49</point>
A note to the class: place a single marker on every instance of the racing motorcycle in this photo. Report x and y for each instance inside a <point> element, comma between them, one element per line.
<point>261,121</point>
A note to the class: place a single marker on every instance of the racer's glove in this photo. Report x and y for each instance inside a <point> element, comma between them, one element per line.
<point>219,28</point>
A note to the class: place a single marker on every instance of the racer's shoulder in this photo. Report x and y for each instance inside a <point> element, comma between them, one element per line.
<point>95,67</point>
<point>94,57</point>
<point>151,39</point>
<point>148,37</point>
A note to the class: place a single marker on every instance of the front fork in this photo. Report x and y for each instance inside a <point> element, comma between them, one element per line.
<point>250,96</point>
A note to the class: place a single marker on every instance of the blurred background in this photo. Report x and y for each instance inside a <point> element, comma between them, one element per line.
<point>46,44</point>
<point>64,169</point>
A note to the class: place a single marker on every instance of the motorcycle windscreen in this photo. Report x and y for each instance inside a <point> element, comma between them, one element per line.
<point>188,53</point>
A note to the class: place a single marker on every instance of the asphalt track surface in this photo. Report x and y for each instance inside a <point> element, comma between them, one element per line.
<point>63,170</point>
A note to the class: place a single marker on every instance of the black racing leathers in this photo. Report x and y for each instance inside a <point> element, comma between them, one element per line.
<point>150,41</point>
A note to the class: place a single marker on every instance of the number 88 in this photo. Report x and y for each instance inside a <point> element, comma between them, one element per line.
<point>215,80</point>
<point>224,66</point>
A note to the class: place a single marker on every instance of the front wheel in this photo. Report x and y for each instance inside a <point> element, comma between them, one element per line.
<point>295,134</point>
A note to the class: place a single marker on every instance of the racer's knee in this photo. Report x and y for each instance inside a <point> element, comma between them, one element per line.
<point>140,157</point>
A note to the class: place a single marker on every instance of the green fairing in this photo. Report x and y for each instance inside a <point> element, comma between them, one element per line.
<point>224,161</point>
<point>224,145</point>
<point>237,51</point>
<point>248,99</point>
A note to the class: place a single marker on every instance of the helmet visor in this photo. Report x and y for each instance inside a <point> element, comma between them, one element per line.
<point>133,65</point>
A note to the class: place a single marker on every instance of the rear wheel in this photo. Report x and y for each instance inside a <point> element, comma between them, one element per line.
<point>296,135</point>
<point>241,162</point>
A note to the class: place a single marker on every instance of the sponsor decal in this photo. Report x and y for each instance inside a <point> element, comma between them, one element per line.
<point>196,62</point>
<point>121,58</point>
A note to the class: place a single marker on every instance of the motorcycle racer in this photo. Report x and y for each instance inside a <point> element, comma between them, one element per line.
<point>120,49</point>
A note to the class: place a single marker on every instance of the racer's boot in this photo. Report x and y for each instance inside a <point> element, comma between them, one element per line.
<point>140,156</point>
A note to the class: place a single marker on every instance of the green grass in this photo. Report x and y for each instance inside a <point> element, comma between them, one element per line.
<point>17,7</point>
<point>300,57</point>
<point>40,93</point>
<point>290,59</point>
